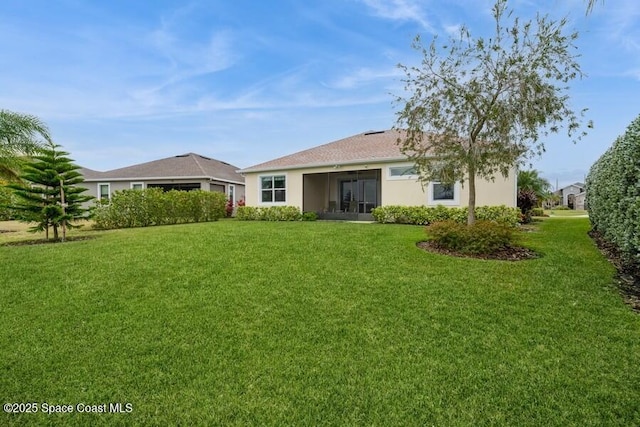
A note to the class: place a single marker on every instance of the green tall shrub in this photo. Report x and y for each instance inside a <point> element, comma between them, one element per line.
<point>423,215</point>
<point>152,206</point>
<point>613,193</point>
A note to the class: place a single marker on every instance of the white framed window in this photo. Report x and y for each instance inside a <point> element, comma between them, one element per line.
<point>273,188</point>
<point>444,194</point>
<point>404,171</point>
<point>104,191</point>
<point>231,193</point>
<point>137,185</point>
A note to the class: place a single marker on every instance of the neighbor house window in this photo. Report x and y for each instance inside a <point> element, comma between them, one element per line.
<point>137,185</point>
<point>402,172</point>
<point>104,192</point>
<point>444,194</point>
<point>273,189</point>
<point>231,193</point>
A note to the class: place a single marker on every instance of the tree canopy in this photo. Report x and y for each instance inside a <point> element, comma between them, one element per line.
<point>476,107</point>
<point>20,135</point>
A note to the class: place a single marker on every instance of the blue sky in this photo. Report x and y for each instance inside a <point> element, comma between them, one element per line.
<point>124,82</point>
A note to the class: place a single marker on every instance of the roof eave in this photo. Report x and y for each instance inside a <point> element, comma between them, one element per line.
<point>324,164</point>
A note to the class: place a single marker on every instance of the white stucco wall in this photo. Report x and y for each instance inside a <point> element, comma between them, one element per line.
<point>393,191</point>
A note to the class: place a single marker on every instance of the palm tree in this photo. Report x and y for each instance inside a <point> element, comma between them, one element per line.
<point>20,135</point>
<point>531,180</point>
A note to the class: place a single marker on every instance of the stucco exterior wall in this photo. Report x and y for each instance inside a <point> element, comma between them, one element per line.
<point>308,190</point>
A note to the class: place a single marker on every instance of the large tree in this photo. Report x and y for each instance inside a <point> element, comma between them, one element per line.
<point>48,194</point>
<point>20,135</point>
<point>477,106</point>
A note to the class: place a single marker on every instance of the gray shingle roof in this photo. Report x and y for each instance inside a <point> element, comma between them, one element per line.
<point>364,147</point>
<point>188,165</point>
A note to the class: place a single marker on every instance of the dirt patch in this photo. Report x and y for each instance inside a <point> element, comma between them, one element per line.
<point>511,253</point>
<point>628,277</point>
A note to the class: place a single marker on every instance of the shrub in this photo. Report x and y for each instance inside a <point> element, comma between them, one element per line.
<point>560,208</point>
<point>271,213</point>
<point>309,216</point>
<point>483,237</point>
<point>613,193</point>
<point>537,212</point>
<point>7,199</point>
<point>152,206</point>
<point>527,200</point>
<point>423,215</point>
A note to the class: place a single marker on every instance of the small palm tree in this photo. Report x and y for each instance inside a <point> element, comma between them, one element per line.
<point>532,181</point>
<point>20,135</point>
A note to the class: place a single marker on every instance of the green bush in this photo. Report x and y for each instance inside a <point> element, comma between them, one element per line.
<point>537,212</point>
<point>271,213</point>
<point>613,193</point>
<point>7,199</point>
<point>423,215</point>
<point>152,206</point>
<point>483,237</point>
<point>560,208</point>
<point>309,216</point>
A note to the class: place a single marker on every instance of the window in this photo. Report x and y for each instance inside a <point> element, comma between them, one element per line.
<point>403,172</point>
<point>104,192</point>
<point>444,194</point>
<point>137,185</point>
<point>273,189</point>
<point>231,193</point>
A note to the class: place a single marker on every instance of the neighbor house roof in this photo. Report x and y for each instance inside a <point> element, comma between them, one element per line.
<point>188,165</point>
<point>364,147</point>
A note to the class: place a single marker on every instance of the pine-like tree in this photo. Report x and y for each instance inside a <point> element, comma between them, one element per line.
<point>49,194</point>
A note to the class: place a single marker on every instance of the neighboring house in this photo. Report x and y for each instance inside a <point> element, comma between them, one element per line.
<point>184,172</point>
<point>347,178</point>
<point>580,202</point>
<point>567,194</point>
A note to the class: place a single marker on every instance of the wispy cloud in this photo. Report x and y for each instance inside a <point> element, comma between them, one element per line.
<point>364,76</point>
<point>401,10</point>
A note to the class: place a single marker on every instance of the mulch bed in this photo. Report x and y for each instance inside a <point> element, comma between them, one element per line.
<point>511,253</point>
<point>628,277</point>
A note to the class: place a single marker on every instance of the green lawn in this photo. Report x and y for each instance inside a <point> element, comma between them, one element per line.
<point>247,323</point>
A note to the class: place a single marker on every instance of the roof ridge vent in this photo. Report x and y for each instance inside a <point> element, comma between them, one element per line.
<point>373,132</point>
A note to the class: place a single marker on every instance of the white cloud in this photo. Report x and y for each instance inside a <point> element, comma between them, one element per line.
<point>364,76</point>
<point>401,10</point>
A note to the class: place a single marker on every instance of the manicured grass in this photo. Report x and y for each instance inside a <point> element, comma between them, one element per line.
<point>253,323</point>
<point>566,212</point>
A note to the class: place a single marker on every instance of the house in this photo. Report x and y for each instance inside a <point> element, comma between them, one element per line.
<point>568,194</point>
<point>580,201</point>
<point>184,172</point>
<point>347,178</point>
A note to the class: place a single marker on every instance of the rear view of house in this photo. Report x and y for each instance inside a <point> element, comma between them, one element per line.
<point>347,178</point>
<point>184,172</point>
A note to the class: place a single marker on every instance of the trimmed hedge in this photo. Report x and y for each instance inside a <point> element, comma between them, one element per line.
<point>273,213</point>
<point>613,193</point>
<point>423,215</point>
<point>153,206</point>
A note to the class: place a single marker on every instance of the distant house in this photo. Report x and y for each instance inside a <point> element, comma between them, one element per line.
<point>567,195</point>
<point>184,172</point>
<point>349,177</point>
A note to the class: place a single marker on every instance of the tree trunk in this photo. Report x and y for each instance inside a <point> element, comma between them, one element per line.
<point>471,218</point>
